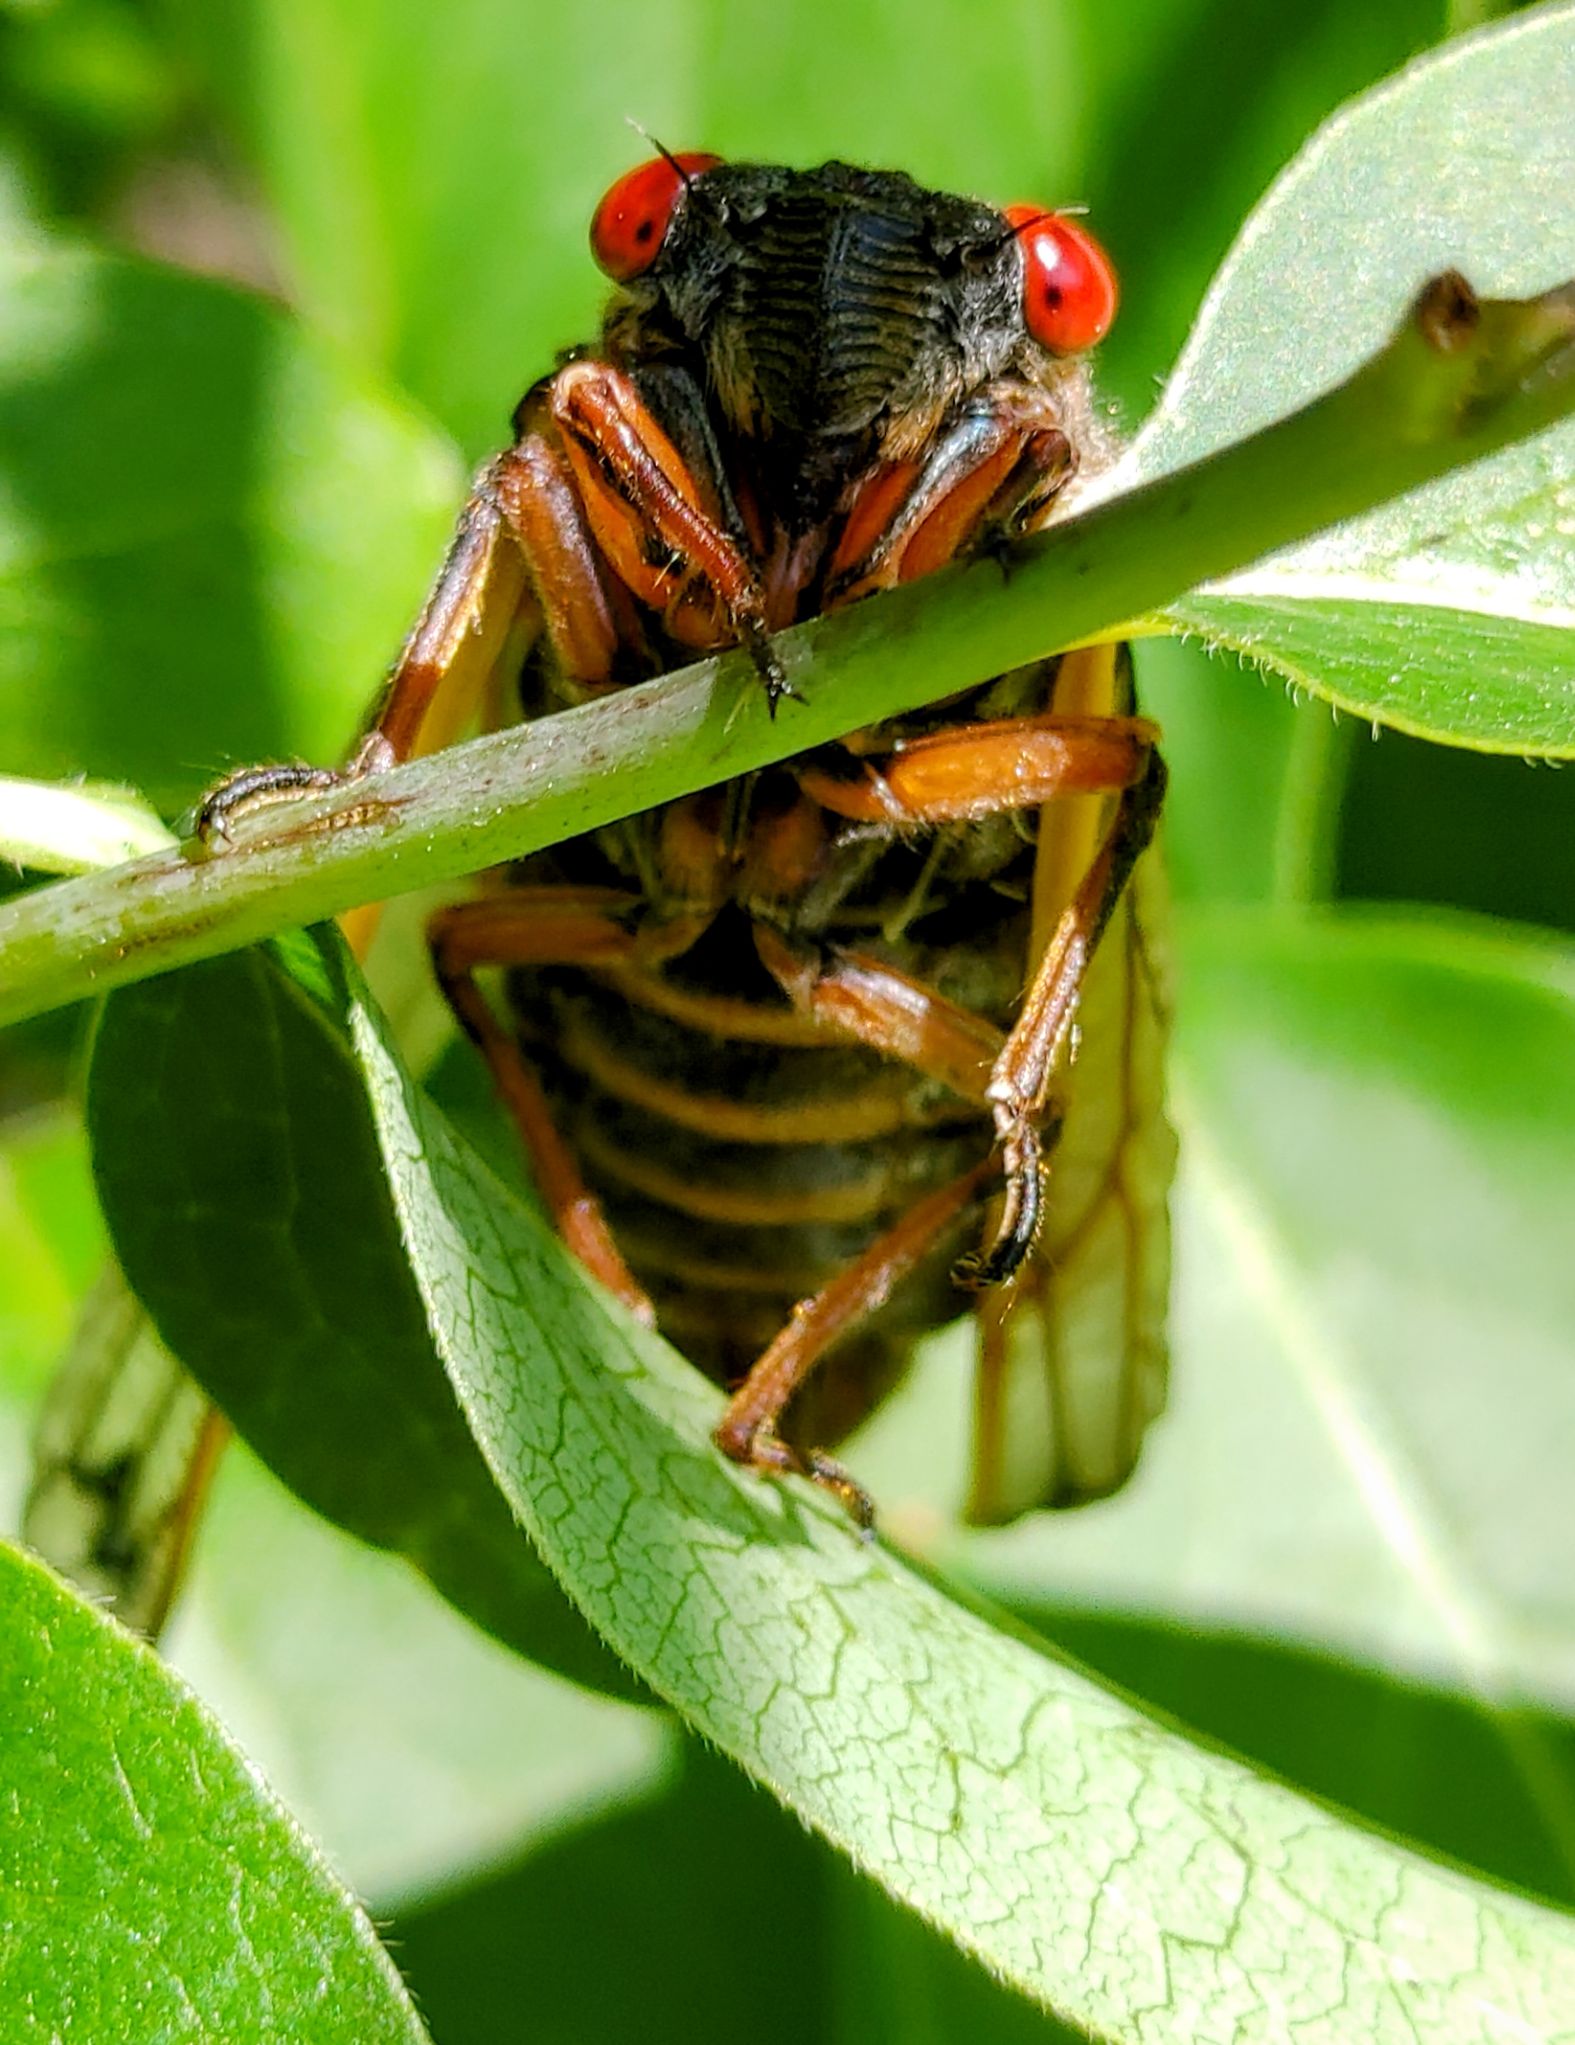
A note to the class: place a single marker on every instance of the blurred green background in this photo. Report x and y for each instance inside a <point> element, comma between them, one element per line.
<point>415,182</point>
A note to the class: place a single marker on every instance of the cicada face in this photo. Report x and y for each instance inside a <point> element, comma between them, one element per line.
<point>838,317</point>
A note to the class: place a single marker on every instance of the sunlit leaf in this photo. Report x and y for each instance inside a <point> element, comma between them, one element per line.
<point>74,827</point>
<point>153,1887</point>
<point>1452,612</point>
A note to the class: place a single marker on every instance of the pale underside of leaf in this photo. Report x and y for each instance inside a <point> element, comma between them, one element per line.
<point>1501,684</point>
<point>1466,160</point>
<point>1143,1886</point>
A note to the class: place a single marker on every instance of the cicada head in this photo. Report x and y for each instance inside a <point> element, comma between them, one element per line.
<point>837,316</point>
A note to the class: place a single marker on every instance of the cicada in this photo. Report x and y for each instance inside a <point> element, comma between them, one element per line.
<point>814,1062</point>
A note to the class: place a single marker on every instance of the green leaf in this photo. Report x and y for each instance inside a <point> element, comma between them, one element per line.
<point>256,1228</point>
<point>1399,654</point>
<point>1450,613</point>
<point>1143,1886</point>
<point>75,827</point>
<point>212,534</point>
<point>152,1886</point>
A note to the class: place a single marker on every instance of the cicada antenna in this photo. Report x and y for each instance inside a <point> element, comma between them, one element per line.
<point>662,150</point>
<point>1079,207</point>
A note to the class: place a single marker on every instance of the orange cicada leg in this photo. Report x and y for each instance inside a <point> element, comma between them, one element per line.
<point>577,606</point>
<point>968,772</point>
<point>991,472</point>
<point>644,504</point>
<point>1020,1087</point>
<point>747,1431</point>
<point>538,926</point>
<point>860,998</point>
<point>460,633</point>
<point>449,654</point>
<point>978,770</point>
<point>522,551</point>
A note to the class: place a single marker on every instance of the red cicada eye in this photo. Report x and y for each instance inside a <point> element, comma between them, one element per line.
<point>631,222</point>
<point>1069,283</point>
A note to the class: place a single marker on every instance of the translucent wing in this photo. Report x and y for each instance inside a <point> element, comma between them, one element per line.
<point>1072,1356</point>
<point>121,1457</point>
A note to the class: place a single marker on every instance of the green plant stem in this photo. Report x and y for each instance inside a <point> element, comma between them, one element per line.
<point>1305,851</point>
<point>1461,16</point>
<point>1458,381</point>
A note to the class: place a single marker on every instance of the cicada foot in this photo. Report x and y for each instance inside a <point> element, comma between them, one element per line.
<point>757,644</point>
<point>1021,1211</point>
<point>252,788</point>
<point>836,1478</point>
<point>763,1449</point>
<point>748,1430</point>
